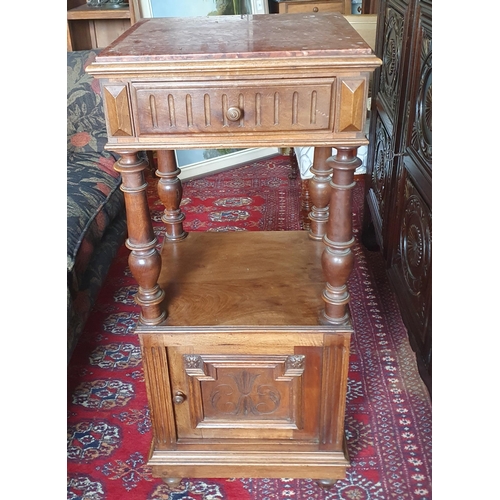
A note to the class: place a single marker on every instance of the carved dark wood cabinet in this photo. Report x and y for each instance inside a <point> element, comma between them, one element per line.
<point>398,197</point>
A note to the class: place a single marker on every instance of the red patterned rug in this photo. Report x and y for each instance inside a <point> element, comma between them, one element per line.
<point>388,413</point>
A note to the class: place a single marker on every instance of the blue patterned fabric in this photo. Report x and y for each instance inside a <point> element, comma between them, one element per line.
<point>95,207</point>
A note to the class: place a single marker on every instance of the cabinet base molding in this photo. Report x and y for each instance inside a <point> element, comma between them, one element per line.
<point>248,463</point>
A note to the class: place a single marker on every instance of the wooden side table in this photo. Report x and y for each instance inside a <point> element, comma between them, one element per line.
<point>314,6</point>
<point>245,336</point>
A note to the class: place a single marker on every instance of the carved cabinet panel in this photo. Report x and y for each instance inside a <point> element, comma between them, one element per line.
<point>399,173</point>
<point>389,89</point>
<point>206,394</point>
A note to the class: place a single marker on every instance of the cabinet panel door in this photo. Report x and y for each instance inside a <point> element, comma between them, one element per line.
<point>379,194</point>
<point>411,267</point>
<point>220,391</point>
<point>238,395</point>
<point>411,263</point>
<point>246,396</point>
<point>399,166</point>
<point>389,90</point>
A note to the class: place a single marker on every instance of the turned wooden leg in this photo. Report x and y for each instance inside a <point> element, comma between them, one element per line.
<point>319,192</point>
<point>337,258</point>
<point>144,259</point>
<point>172,482</point>
<point>170,194</point>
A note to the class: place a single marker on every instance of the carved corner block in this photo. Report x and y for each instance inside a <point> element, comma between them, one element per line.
<point>352,96</point>
<point>118,110</point>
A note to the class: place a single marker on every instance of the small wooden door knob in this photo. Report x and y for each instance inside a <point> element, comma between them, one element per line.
<point>179,398</point>
<point>233,114</point>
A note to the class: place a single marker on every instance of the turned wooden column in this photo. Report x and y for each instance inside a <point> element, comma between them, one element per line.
<point>170,194</point>
<point>144,260</point>
<point>319,192</point>
<point>338,259</point>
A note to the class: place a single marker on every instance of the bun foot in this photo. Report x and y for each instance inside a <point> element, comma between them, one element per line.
<point>326,483</point>
<point>172,482</point>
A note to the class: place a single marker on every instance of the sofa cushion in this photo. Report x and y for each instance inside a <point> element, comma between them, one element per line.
<point>94,198</point>
<point>83,288</point>
<point>86,127</point>
<point>94,201</point>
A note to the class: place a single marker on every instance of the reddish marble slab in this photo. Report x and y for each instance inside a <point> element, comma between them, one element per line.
<point>234,37</point>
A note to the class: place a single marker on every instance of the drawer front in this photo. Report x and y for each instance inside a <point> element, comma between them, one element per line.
<point>304,7</point>
<point>236,107</point>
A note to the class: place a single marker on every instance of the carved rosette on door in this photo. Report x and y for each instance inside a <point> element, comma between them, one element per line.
<point>414,252</point>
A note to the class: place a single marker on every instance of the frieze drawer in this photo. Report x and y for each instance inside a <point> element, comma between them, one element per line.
<point>257,106</point>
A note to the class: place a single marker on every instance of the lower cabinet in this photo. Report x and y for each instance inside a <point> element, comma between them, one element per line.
<point>261,402</point>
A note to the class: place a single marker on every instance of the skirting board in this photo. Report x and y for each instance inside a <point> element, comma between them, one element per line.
<point>220,163</point>
<point>305,156</point>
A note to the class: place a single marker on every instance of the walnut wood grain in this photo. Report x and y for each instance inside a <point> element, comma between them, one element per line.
<point>170,194</point>
<point>337,258</point>
<point>144,259</point>
<point>319,190</point>
<point>290,417</point>
<point>241,278</point>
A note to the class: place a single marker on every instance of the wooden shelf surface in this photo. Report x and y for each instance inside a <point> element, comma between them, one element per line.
<point>243,278</point>
<point>85,12</point>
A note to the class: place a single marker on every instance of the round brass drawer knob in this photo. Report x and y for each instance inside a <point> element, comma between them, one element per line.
<point>179,398</point>
<point>315,9</point>
<point>233,114</point>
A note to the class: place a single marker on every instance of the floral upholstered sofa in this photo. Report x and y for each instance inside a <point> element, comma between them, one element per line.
<point>96,211</point>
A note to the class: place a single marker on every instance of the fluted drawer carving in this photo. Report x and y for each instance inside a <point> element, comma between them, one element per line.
<point>264,106</point>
